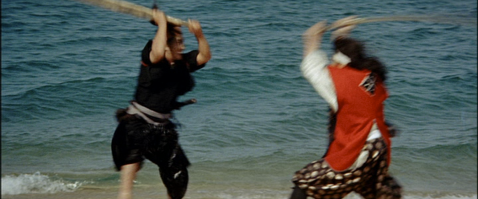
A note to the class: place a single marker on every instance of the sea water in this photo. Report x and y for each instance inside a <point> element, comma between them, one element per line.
<point>67,66</point>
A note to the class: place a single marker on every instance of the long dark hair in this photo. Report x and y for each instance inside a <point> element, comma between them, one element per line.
<point>355,50</point>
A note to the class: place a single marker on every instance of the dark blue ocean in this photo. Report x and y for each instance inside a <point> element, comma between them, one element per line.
<point>67,66</point>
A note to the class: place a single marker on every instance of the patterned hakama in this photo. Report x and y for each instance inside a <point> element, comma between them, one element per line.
<point>371,179</point>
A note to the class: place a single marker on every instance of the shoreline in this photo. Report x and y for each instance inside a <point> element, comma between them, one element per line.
<point>212,192</point>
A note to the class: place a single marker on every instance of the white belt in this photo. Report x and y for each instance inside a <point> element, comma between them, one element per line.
<point>137,109</point>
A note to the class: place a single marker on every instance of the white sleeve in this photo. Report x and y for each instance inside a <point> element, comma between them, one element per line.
<point>314,69</point>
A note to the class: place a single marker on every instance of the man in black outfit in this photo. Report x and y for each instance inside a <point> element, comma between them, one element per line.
<point>145,130</point>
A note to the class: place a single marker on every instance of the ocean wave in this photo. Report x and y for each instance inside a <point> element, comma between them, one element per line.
<point>51,101</point>
<point>35,183</point>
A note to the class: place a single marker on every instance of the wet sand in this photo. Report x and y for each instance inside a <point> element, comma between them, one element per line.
<point>196,192</point>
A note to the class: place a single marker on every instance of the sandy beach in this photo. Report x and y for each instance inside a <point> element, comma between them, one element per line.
<point>157,192</point>
<point>215,192</point>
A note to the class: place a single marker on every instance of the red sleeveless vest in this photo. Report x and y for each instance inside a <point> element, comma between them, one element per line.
<point>360,102</point>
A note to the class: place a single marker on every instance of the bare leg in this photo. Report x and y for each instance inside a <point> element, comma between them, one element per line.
<point>128,174</point>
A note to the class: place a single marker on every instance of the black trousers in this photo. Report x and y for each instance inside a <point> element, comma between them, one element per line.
<point>136,140</point>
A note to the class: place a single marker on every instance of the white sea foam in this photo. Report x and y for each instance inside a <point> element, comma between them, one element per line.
<point>35,183</point>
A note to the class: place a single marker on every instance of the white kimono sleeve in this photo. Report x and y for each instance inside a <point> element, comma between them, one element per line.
<point>314,69</point>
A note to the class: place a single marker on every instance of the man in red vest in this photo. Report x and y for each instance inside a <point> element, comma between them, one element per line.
<point>353,85</point>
